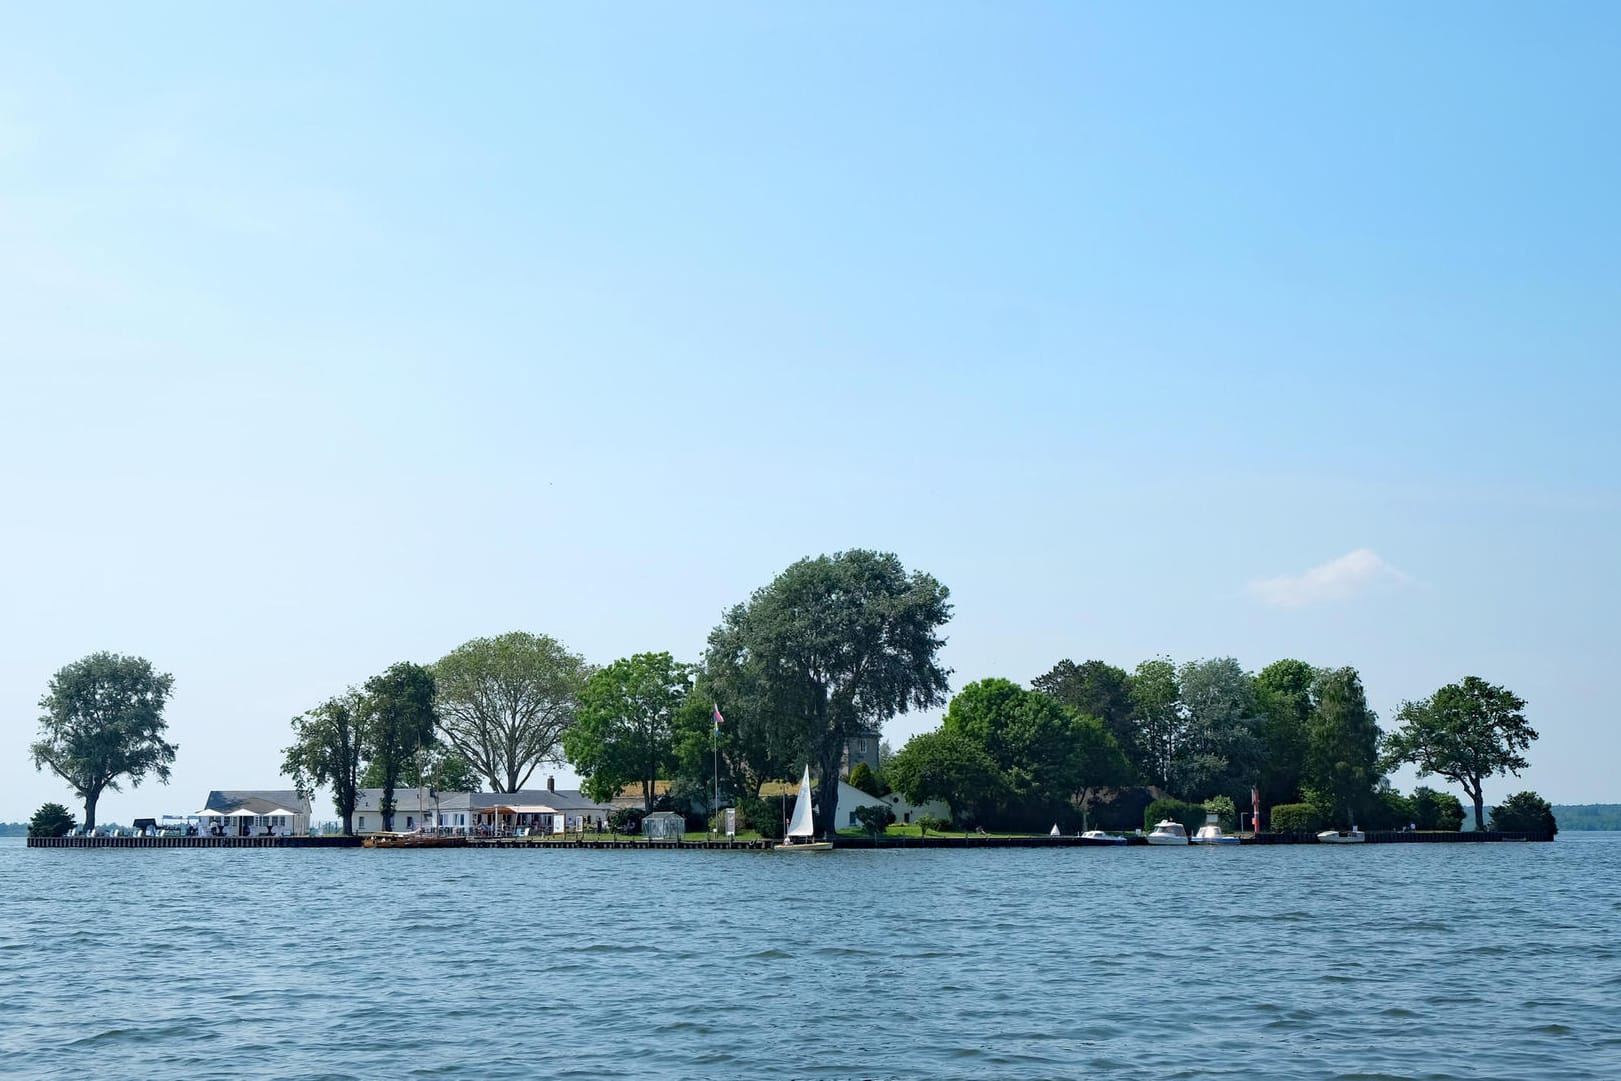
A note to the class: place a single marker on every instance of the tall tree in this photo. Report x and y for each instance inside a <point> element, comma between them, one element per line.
<point>399,718</point>
<point>1465,732</point>
<point>1220,753</point>
<point>328,747</point>
<point>439,767</point>
<point>760,742</point>
<point>1283,695</point>
<point>624,732</point>
<point>1156,704</point>
<point>1095,689</point>
<point>103,721</point>
<point>949,766</point>
<point>1342,744</point>
<point>504,703</point>
<point>840,644</point>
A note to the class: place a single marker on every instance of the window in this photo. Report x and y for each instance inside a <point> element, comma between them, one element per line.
<point>362,821</point>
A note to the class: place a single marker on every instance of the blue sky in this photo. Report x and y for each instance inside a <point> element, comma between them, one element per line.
<point>335,336</point>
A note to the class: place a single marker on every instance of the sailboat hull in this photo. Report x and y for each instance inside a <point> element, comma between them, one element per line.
<point>806,846</point>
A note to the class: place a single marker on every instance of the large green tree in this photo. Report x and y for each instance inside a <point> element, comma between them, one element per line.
<point>1047,756</point>
<point>1342,745</point>
<point>839,644</point>
<point>329,744</point>
<point>1095,689</point>
<point>103,722</point>
<point>1466,732</point>
<point>504,703</point>
<point>1220,749</point>
<point>1525,812</point>
<point>1283,696</point>
<point>439,767</point>
<point>398,716</point>
<point>1160,723</point>
<point>952,767</point>
<point>624,732</point>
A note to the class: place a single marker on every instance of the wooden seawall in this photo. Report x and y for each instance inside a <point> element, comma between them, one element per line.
<point>318,841</point>
<point>513,844</point>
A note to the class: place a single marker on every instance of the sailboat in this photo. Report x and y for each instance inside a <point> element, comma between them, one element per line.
<point>802,825</point>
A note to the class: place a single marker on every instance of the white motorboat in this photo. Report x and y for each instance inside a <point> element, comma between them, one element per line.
<point>1352,836</point>
<point>1210,834</point>
<point>1098,837</point>
<point>1167,832</point>
<point>802,827</point>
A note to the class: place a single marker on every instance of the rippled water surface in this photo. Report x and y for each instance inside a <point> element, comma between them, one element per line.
<point>1410,961</point>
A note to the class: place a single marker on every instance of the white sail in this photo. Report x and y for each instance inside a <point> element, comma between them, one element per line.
<point>801,824</point>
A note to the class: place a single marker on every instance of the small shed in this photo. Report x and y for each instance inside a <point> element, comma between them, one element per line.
<point>664,826</point>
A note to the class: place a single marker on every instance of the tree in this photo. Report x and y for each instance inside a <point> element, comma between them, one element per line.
<point>1434,810</point>
<point>328,746</point>
<point>1465,732</point>
<point>1220,749</point>
<point>865,780</point>
<point>1048,757</point>
<point>104,721</point>
<point>398,716</point>
<point>504,703</point>
<point>1095,689</point>
<point>1342,744</point>
<point>951,767</point>
<point>1155,700</point>
<point>1525,812</point>
<point>1283,696</point>
<point>438,767</point>
<point>51,820</point>
<point>624,732</point>
<point>838,645</point>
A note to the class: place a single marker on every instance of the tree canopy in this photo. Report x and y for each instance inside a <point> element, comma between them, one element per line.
<point>1095,689</point>
<point>504,703</point>
<point>624,732</point>
<point>51,820</point>
<point>398,716</point>
<point>949,766</point>
<point>103,722</point>
<point>327,749</point>
<point>835,646</point>
<point>1525,812</point>
<point>1283,695</point>
<point>1342,745</point>
<point>1155,701</point>
<point>1466,732</point>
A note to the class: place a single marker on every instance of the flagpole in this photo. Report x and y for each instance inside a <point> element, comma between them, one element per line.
<point>714,747</point>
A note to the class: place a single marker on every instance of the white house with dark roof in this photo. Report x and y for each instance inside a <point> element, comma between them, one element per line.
<point>414,808</point>
<point>549,809</point>
<point>255,812</point>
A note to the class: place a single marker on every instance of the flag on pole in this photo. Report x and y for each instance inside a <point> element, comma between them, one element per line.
<point>1255,808</point>
<point>719,720</point>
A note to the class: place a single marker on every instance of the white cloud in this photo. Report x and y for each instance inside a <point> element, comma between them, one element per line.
<point>1337,580</point>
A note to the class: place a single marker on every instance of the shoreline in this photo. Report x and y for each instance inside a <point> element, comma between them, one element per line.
<point>1038,841</point>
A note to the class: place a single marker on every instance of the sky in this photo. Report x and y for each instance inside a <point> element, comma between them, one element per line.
<point>334,336</point>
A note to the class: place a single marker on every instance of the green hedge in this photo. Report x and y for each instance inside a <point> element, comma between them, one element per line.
<point>1296,818</point>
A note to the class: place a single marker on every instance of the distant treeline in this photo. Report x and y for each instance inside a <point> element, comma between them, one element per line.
<point>13,829</point>
<point>1588,816</point>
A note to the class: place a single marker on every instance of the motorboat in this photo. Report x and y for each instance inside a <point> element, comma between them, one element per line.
<point>1098,837</point>
<point>1166,832</point>
<point>1352,836</point>
<point>1210,834</point>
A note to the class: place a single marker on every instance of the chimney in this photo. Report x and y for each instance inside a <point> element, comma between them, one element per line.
<point>551,784</point>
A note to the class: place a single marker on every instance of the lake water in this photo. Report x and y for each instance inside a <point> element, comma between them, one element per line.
<point>1399,961</point>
